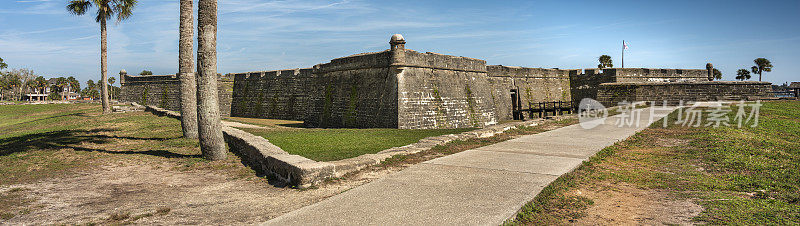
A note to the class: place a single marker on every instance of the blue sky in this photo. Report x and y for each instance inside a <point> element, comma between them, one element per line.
<point>267,35</point>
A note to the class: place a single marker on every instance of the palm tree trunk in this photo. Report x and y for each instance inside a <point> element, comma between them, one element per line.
<point>186,72</point>
<point>209,128</point>
<point>104,67</point>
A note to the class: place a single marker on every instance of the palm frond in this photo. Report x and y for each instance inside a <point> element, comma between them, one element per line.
<point>104,10</point>
<point>124,9</point>
<point>78,7</point>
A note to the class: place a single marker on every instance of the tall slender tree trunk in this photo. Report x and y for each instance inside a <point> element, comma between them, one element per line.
<point>186,72</point>
<point>209,128</point>
<point>104,67</point>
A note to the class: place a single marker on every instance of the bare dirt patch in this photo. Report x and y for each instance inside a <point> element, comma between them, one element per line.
<point>625,204</point>
<point>671,142</point>
<point>160,194</point>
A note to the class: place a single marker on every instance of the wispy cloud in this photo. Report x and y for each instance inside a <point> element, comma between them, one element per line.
<point>36,7</point>
<point>84,38</point>
<point>275,34</point>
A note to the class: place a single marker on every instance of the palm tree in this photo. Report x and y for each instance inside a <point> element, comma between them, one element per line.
<point>186,72</point>
<point>742,74</point>
<point>3,86</point>
<point>106,9</point>
<point>74,84</point>
<point>605,62</point>
<point>762,65</point>
<point>61,82</point>
<point>209,128</point>
<point>716,74</point>
<point>23,75</point>
<point>111,81</point>
<point>41,83</point>
<point>12,81</point>
<point>38,84</point>
<point>31,84</point>
<point>90,90</point>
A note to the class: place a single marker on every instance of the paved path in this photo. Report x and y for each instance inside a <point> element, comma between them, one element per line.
<point>241,125</point>
<point>483,186</point>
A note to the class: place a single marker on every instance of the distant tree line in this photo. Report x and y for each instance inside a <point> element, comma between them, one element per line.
<point>15,83</point>
<point>761,65</point>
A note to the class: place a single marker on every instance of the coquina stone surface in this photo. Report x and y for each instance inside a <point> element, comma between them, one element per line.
<point>163,91</point>
<point>299,171</point>
<point>610,94</point>
<point>406,89</point>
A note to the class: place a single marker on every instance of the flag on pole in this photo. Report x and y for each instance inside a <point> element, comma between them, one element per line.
<point>624,45</point>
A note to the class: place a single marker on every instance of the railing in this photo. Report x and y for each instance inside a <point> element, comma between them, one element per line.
<point>542,108</point>
<point>782,94</point>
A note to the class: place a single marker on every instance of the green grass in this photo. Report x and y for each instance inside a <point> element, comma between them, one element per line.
<point>52,140</point>
<point>748,175</point>
<point>336,144</point>
<point>270,123</point>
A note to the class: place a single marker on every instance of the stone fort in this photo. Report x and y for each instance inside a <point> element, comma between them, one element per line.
<point>406,89</point>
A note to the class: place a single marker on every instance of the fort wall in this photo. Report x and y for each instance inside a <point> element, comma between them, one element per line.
<point>656,75</point>
<point>533,85</point>
<point>280,94</point>
<point>358,91</point>
<point>442,91</point>
<point>406,89</point>
<point>611,94</point>
<point>586,84</point>
<point>157,90</point>
<point>164,91</point>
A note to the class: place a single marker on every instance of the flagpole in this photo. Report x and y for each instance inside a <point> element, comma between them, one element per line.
<point>623,53</point>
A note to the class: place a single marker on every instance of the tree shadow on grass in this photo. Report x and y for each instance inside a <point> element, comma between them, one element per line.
<point>74,139</point>
<point>159,153</point>
<point>293,125</point>
<point>78,114</point>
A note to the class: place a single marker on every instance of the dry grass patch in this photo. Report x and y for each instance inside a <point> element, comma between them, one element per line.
<point>89,168</point>
<point>724,175</point>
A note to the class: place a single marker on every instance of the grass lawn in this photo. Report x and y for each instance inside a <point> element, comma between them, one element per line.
<point>42,141</point>
<point>748,175</point>
<point>336,144</point>
<point>270,123</point>
<point>68,164</point>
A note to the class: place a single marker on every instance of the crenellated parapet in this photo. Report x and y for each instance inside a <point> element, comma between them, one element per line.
<point>164,91</point>
<point>403,88</point>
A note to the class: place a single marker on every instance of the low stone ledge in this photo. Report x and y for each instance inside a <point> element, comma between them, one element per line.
<point>265,157</point>
<point>163,112</point>
<point>128,108</point>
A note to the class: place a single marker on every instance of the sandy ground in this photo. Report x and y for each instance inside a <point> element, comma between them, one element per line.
<point>627,204</point>
<point>143,194</point>
<point>622,204</point>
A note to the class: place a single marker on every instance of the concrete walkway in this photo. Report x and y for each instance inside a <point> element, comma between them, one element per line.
<point>483,186</point>
<point>241,125</point>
